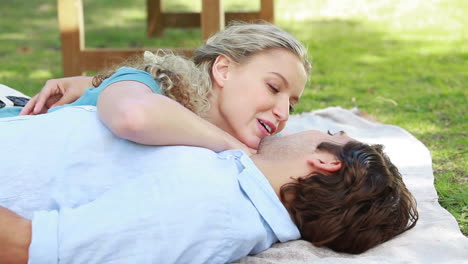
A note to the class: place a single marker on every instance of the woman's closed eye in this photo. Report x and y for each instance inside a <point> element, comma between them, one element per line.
<point>273,89</point>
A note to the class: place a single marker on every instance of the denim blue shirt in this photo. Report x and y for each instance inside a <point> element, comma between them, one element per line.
<point>95,198</point>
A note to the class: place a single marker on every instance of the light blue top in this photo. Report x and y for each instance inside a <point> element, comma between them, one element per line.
<point>91,95</point>
<point>96,198</point>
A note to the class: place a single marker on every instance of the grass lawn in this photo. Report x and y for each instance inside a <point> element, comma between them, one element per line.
<point>405,62</point>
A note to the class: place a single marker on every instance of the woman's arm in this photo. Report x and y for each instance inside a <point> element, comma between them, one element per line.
<point>57,92</point>
<point>15,237</point>
<point>132,111</point>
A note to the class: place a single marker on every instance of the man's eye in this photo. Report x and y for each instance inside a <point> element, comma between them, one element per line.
<point>341,132</point>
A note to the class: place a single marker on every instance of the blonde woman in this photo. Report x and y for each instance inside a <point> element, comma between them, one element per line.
<point>238,88</point>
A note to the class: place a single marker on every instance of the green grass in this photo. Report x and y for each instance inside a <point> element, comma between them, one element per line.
<point>403,62</point>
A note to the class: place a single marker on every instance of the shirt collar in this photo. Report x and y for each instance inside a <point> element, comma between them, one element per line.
<point>264,198</point>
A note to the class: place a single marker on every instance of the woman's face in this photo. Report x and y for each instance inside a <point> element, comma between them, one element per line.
<point>252,99</point>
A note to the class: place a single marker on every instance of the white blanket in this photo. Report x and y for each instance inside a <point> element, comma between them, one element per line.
<point>436,238</point>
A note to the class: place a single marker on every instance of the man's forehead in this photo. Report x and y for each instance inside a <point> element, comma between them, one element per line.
<point>305,138</point>
<point>308,134</point>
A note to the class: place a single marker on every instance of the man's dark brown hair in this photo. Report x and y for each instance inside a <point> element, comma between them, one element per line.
<point>362,205</point>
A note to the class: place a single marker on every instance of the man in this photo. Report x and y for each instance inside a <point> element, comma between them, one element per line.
<point>102,199</point>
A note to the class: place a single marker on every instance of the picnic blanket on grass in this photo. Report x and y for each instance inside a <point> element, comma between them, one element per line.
<point>436,238</point>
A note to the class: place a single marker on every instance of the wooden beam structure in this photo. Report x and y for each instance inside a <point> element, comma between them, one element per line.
<point>77,59</point>
<point>212,10</point>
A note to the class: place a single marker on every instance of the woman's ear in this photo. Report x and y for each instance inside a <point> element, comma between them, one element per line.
<point>220,70</point>
<point>325,162</point>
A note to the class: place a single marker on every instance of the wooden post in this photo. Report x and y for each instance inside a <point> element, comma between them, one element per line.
<point>212,17</point>
<point>70,17</point>
<point>76,58</point>
<point>267,11</point>
<point>155,21</point>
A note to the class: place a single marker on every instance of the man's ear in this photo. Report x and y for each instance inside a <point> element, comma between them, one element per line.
<point>325,161</point>
<point>220,70</point>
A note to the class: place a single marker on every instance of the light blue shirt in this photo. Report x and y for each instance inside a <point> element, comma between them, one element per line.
<point>96,198</point>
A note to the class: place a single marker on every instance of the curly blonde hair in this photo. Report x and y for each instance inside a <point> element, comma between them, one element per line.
<point>189,81</point>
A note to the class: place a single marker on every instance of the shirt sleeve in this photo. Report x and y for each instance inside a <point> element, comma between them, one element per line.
<point>43,248</point>
<point>121,226</point>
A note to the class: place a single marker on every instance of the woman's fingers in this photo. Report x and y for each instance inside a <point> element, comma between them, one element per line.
<point>66,98</point>
<point>41,102</point>
<point>50,88</point>
<point>57,92</point>
<point>27,109</point>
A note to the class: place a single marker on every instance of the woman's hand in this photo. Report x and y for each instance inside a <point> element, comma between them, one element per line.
<point>234,143</point>
<point>57,92</point>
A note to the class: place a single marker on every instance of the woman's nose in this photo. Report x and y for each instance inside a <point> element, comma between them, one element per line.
<point>281,109</point>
